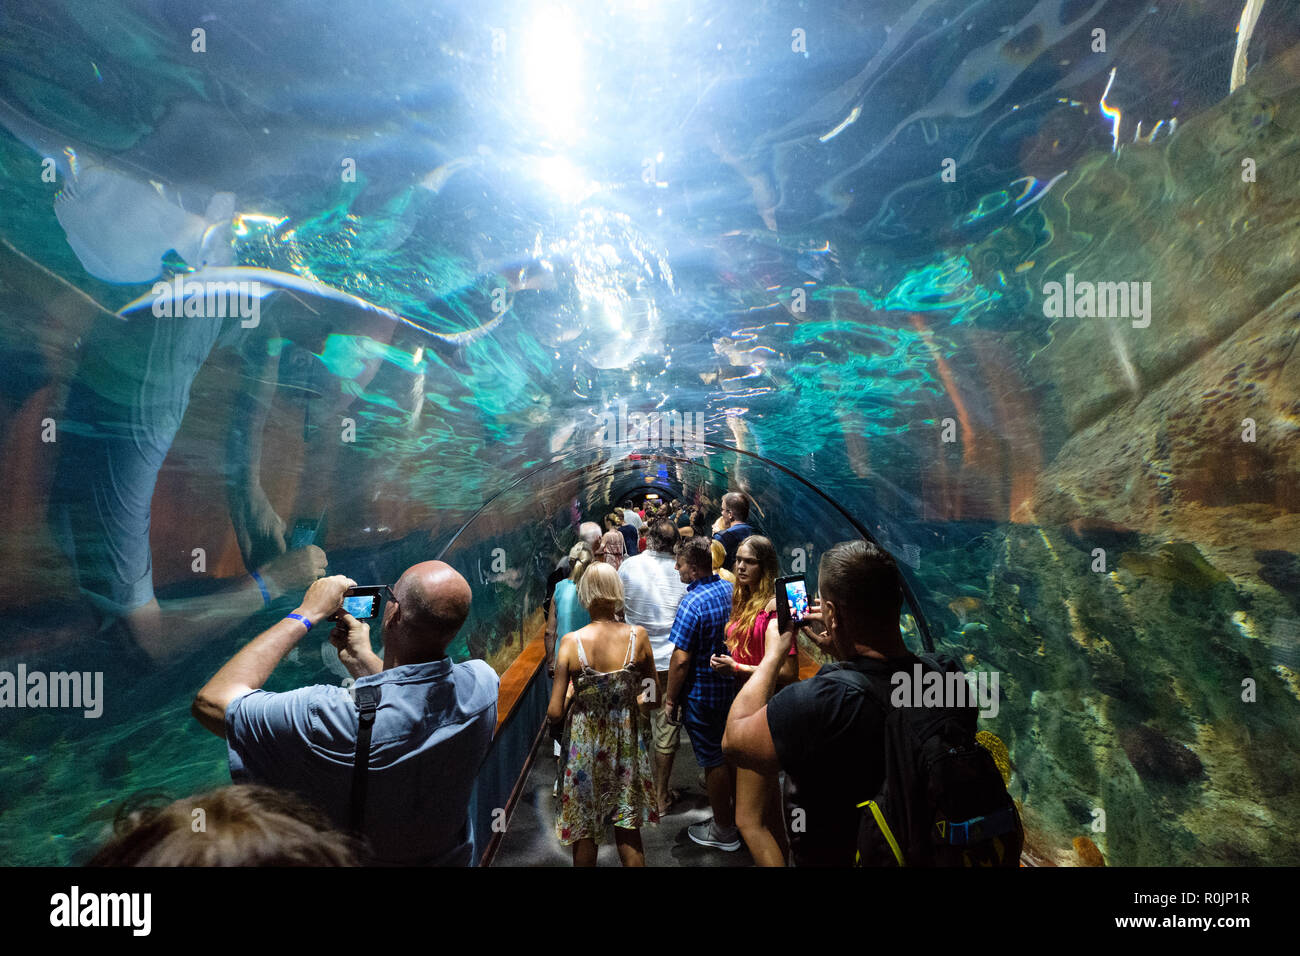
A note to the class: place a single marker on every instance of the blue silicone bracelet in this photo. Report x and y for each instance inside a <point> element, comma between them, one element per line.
<point>261,586</point>
<point>299,617</point>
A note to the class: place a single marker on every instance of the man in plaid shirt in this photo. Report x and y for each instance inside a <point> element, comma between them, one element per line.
<point>699,632</point>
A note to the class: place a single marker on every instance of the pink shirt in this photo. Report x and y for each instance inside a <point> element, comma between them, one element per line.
<point>758,641</point>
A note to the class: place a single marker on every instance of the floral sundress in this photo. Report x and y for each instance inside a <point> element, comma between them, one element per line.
<point>605,773</point>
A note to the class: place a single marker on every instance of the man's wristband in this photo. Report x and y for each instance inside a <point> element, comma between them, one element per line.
<point>261,586</point>
<point>299,617</point>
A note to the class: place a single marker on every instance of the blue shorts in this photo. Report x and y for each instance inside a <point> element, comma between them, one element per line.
<point>705,725</point>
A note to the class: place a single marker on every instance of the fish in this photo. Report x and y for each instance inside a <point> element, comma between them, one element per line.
<point>1177,562</point>
<point>963,607</point>
<point>119,221</point>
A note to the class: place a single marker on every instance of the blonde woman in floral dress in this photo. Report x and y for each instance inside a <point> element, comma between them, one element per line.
<point>606,775</point>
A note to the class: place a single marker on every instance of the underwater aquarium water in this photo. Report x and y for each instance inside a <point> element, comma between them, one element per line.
<point>1012,286</point>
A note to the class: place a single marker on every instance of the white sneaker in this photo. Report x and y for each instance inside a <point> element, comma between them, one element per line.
<point>707,834</point>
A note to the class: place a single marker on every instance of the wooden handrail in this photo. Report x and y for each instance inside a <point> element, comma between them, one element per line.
<point>518,676</point>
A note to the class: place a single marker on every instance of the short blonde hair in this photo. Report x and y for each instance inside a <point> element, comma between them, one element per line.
<point>601,583</point>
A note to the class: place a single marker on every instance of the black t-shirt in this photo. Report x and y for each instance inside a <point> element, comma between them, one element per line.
<point>830,740</point>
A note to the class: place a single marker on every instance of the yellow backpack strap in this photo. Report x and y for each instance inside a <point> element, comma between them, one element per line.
<point>884,828</point>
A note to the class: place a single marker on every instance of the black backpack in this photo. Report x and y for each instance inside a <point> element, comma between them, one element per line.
<point>943,801</point>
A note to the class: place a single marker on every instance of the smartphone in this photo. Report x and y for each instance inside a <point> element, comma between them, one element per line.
<point>307,531</point>
<point>363,602</point>
<point>791,601</point>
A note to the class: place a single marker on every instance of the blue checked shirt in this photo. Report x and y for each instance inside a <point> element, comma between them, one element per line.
<point>700,630</point>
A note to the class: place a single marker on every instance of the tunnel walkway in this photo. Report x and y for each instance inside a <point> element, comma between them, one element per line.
<point>802,519</point>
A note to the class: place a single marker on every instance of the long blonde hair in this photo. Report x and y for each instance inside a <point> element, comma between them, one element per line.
<point>580,558</point>
<point>747,603</point>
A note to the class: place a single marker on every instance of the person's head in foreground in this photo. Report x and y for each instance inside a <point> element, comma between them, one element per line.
<point>861,596</point>
<point>245,825</point>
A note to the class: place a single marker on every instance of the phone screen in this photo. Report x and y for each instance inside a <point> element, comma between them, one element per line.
<point>361,606</point>
<point>796,593</point>
<point>792,601</point>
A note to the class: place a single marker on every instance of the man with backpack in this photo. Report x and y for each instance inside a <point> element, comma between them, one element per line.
<point>868,782</point>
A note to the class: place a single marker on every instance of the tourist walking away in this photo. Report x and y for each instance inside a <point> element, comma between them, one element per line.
<point>606,777</point>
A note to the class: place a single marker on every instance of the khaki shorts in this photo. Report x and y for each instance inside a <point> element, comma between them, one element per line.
<point>666,735</point>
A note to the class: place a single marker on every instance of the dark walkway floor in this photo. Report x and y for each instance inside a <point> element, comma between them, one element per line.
<point>530,838</point>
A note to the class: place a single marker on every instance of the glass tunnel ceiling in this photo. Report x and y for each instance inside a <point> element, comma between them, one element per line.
<point>737,212</point>
<point>731,227</point>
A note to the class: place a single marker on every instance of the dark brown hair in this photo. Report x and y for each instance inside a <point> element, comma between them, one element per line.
<point>862,580</point>
<point>697,554</point>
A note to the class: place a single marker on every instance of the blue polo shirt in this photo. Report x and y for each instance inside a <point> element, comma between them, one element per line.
<point>700,629</point>
<point>432,730</point>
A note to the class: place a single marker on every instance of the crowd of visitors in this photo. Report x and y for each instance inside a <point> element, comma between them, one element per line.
<point>707,631</point>
<point>727,671</point>
<point>650,627</point>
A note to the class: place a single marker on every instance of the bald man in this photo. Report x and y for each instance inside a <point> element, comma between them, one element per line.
<point>432,727</point>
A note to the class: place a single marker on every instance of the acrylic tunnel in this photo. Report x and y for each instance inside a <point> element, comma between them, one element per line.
<point>296,290</point>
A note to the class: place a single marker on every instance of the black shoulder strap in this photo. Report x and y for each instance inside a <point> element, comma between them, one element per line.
<point>367,703</point>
